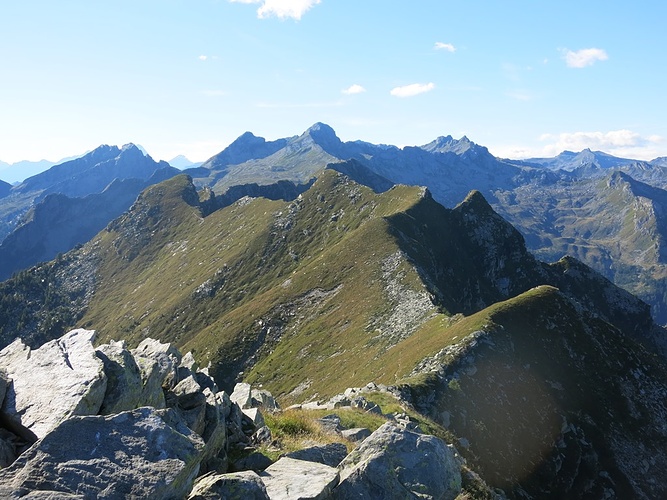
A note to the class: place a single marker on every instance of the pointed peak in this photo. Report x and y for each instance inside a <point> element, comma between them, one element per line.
<point>323,134</point>
<point>320,127</point>
<point>246,136</point>
<point>447,144</point>
<point>133,148</point>
<point>475,198</point>
<point>475,203</point>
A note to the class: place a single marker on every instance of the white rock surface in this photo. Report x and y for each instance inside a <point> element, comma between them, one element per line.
<point>242,395</point>
<point>62,378</point>
<point>291,479</point>
<point>397,463</point>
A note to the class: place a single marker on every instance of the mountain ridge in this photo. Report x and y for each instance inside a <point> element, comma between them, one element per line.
<point>342,286</point>
<point>540,200</point>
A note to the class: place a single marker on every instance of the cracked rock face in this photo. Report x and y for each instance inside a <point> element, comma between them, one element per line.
<point>397,463</point>
<point>144,453</point>
<point>62,378</point>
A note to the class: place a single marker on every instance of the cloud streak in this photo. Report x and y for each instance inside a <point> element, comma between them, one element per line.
<point>444,46</point>
<point>616,142</point>
<point>354,89</point>
<point>584,57</point>
<point>281,9</point>
<point>412,89</point>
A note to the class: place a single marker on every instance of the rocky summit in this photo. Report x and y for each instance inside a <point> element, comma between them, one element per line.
<point>345,335</point>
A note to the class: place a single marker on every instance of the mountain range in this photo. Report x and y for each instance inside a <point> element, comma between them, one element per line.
<point>549,377</point>
<point>495,296</point>
<point>606,211</point>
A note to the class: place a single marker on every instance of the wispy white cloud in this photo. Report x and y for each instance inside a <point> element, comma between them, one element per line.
<point>354,89</point>
<point>412,89</point>
<point>202,57</point>
<point>281,9</point>
<point>521,95</point>
<point>625,143</point>
<point>622,143</point>
<point>444,46</point>
<point>584,57</point>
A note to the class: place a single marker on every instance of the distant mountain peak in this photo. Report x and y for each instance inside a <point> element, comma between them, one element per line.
<point>133,149</point>
<point>476,200</point>
<point>245,147</point>
<point>325,137</point>
<point>320,127</point>
<point>248,137</point>
<point>130,146</point>
<point>323,132</point>
<point>447,144</point>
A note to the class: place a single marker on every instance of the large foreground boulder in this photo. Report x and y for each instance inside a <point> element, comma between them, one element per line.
<point>396,463</point>
<point>145,453</point>
<point>62,378</point>
<point>330,454</point>
<point>245,485</point>
<point>291,479</point>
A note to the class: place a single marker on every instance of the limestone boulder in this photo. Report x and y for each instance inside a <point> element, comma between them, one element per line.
<point>394,462</point>
<point>256,462</point>
<point>242,395</point>
<point>190,400</point>
<point>144,453</point>
<point>12,494</point>
<point>291,479</point>
<point>125,389</point>
<point>60,379</point>
<point>330,423</point>
<point>158,364</point>
<point>214,434</point>
<point>245,485</point>
<point>255,416</point>
<point>261,398</point>
<point>330,454</point>
<point>356,434</point>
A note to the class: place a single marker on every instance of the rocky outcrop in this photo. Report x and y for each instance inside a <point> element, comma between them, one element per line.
<point>330,454</point>
<point>144,453</point>
<point>61,379</point>
<point>245,485</point>
<point>291,479</point>
<point>146,420</point>
<point>397,463</point>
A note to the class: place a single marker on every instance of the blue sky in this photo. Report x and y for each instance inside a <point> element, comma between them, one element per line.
<point>524,78</point>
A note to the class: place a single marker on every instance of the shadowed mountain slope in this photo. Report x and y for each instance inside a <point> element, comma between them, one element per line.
<point>58,223</point>
<point>5,188</point>
<point>90,174</point>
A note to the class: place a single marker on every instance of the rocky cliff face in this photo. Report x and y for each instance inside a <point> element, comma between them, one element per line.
<point>523,399</point>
